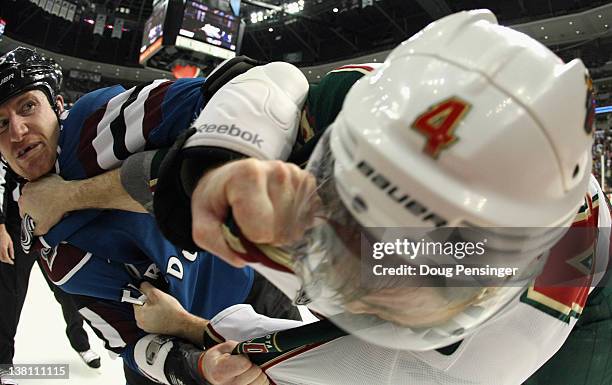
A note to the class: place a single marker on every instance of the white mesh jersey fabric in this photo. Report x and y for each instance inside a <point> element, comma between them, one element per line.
<point>507,351</point>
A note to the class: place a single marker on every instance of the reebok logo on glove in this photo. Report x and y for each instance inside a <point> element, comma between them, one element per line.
<point>232,130</point>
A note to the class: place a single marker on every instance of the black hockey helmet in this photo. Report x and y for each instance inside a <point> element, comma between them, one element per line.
<point>24,69</point>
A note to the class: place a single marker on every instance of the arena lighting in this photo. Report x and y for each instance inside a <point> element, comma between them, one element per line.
<point>257,17</point>
<point>602,110</point>
<point>110,26</point>
<point>289,8</point>
<point>295,7</point>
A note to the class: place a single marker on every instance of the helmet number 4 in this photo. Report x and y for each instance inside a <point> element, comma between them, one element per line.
<point>438,124</point>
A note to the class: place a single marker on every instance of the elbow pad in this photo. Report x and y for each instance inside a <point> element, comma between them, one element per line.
<point>136,176</point>
<point>255,114</point>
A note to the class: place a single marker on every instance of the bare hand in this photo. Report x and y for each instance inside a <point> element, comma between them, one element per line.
<point>46,200</point>
<point>161,313</point>
<point>7,254</point>
<point>265,198</point>
<point>222,368</point>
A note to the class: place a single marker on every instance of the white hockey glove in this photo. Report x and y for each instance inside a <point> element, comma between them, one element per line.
<point>255,114</point>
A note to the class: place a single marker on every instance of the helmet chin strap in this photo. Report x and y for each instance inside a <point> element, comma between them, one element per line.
<point>57,112</point>
<point>51,97</point>
<point>53,102</point>
<point>56,109</point>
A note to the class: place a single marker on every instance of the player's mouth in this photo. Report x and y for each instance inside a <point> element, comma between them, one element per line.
<point>26,151</point>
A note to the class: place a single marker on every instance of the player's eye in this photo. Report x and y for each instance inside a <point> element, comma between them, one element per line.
<point>28,107</point>
<point>4,124</point>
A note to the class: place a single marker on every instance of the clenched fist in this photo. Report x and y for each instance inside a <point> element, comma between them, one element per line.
<point>46,200</point>
<point>222,368</point>
<point>266,199</point>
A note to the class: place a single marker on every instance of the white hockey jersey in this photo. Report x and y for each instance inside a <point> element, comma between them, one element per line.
<point>507,350</point>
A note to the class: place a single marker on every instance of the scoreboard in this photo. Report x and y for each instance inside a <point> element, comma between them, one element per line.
<point>153,31</point>
<point>209,27</point>
<point>209,30</point>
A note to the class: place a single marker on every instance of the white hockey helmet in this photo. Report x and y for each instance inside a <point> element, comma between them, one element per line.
<point>467,124</point>
<point>477,122</point>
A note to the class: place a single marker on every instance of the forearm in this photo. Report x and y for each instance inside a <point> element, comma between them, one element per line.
<point>191,328</point>
<point>100,192</point>
<point>104,191</point>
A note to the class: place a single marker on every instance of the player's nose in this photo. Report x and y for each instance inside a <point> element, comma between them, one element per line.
<point>18,128</point>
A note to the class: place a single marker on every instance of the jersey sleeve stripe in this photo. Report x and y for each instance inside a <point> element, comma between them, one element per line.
<point>118,128</point>
<point>103,143</point>
<point>287,355</point>
<point>134,113</point>
<point>355,67</point>
<point>109,333</point>
<point>81,262</point>
<point>121,127</point>
<point>153,108</point>
<point>86,152</point>
<point>64,263</point>
<point>211,336</point>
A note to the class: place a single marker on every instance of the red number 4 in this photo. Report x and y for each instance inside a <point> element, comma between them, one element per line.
<point>438,124</point>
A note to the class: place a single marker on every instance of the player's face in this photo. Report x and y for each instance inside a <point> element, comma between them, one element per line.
<point>409,306</point>
<point>413,302</point>
<point>29,133</point>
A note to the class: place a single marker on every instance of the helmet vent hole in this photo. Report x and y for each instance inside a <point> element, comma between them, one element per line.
<point>359,204</point>
<point>576,171</point>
